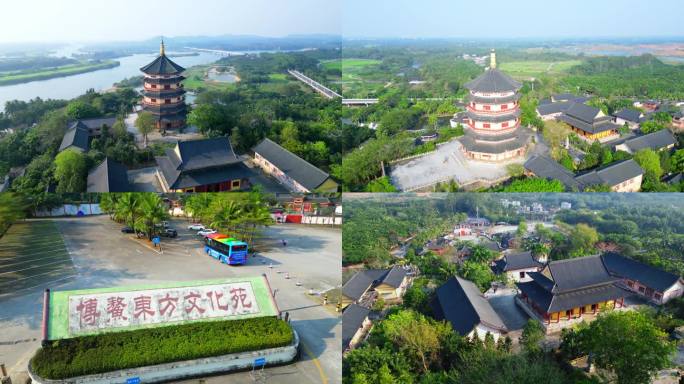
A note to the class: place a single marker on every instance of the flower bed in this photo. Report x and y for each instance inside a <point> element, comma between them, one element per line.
<point>122,350</point>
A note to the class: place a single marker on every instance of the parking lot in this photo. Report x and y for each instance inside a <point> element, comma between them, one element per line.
<point>103,257</point>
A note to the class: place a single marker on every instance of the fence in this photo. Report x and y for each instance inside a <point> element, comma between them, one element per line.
<point>70,210</point>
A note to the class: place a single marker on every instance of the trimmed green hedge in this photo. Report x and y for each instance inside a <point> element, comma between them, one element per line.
<point>121,350</point>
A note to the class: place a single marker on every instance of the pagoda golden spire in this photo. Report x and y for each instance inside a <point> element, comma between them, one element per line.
<point>162,51</point>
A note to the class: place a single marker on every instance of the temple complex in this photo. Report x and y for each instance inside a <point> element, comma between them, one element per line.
<point>493,117</point>
<point>566,292</point>
<point>163,93</point>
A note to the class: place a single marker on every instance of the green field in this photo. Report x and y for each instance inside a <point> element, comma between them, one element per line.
<point>33,254</point>
<point>195,79</point>
<point>44,74</point>
<point>526,69</point>
<point>278,77</point>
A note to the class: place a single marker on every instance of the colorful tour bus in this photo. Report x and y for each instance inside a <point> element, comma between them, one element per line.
<point>226,249</point>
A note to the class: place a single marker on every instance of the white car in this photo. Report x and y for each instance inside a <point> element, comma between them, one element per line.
<point>196,227</point>
<point>205,232</point>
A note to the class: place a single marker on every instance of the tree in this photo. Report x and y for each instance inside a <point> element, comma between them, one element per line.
<point>479,273</point>
<point>534,184</point>
<point>522,229</point>
<point>70,171</point>
<point>677,161</point>
<point>581,240</point>
<point>381,184</point>
<point>379,304</point>
<point>515,170</point>
<point>531,337</point>
<point>77,110</point>
<point>418,337</point>
<point>627,343</point>
<point>650,162</point>
<point>151,211</point>
<point>119,129</point>
<point>145,123</point>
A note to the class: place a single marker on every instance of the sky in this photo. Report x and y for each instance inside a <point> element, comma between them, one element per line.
<point>511,18</point>
<point>45,21</point>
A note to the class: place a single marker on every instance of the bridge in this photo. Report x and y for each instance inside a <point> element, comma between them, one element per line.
<point>318,87</point>
<point>358,102</point>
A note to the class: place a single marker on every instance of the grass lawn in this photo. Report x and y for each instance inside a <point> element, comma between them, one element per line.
<point>278,77</point>
<point>527,69</point>
<point>43,74</point>
<point>33,254</point>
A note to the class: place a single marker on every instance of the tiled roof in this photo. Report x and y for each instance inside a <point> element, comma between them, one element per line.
<point>645,274</point>
<point>460,302</point>
<point>296,168</point>
<point>108,176</point>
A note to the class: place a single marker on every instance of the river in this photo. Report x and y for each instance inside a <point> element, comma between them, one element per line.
<point>72,86</point>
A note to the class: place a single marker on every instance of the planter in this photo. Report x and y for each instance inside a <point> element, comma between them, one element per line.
<point>180,370</point>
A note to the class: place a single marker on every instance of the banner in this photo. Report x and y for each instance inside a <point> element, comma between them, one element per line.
<point>77,313</point>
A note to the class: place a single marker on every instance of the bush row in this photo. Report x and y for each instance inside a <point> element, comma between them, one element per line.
<point>122,350</point>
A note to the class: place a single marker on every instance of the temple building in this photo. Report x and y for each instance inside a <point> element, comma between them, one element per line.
<point>163,93</point>
<point>206,165</point>
<point>566,292</point>
<point>590,123</point>
<point>460,302</point>
<point>493,117</point>
<point>518,266</point>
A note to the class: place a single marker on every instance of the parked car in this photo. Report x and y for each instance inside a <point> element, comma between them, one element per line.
<point>127,230</point>
<point>169,232</point>
<point>196,227</point>
<point>206,231</point>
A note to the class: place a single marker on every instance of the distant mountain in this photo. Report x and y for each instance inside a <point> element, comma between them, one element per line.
<point>224,42</point>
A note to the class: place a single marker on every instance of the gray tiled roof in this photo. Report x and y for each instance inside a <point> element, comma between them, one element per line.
<point>108,176</point>
<point>575,283</point>
<point>298,169</point>
<point>551,108</point>
<point>204,153</point>
<point>493,81</point>
<point>93,123</point>
<point>548,168</point>
<point>645,274</point>
<point>460,302</point>
<point>494,100</point>
<point>352,320</point>
<point>629,115</point>
<point>559,97</point>
<point>583,112</point>
<point>471,143</point>
<point>516,261</point>
<point>162,65</point>
<point>77,138</point>
<point>550,302</point>
<point>355,287</point>
<point>395,276</point>
<point>656,140</point>
<point>577,273</point>
<point>611,175</point>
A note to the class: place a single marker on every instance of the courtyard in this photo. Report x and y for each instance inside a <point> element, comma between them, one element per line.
<point>94,253</point>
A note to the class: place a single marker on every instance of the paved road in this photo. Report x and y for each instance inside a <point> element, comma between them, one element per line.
<point>104,257</point>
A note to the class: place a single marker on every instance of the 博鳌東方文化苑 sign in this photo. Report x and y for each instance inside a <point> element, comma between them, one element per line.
<point>97,311</point>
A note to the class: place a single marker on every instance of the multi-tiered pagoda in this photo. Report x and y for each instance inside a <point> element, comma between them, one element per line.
<point>493,117</point>
<point>163,93</point>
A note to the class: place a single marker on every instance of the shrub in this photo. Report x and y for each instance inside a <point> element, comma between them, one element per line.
<point>129,349</point>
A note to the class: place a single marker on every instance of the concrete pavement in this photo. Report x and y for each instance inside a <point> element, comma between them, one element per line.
<point>105,257</point>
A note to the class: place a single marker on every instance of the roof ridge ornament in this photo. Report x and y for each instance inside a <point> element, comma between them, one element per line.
<point>162,50</point>
<point>492,59</point>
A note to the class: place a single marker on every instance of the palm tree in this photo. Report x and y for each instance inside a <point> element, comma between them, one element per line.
<point>151,211</point>
<point>126,208</point>
<point>256,216</point>
<point>226,214</point>
<point>108,203</point>
<point>198,206</point>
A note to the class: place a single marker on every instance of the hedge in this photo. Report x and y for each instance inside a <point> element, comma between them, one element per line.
<point>129,349</point>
